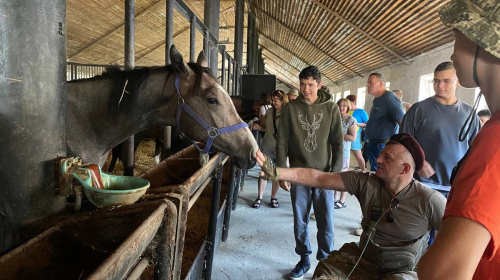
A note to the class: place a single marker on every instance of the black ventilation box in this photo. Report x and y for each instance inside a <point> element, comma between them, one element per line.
<point>253,85</point>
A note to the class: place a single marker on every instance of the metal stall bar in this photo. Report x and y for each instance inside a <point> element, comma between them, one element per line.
<point>128,163</point>
<point>211,13</point>
<point>238,45</point>
<point>169,37</point>
<point>209,38</point>
<point>230,201</point>
<point>214,209</point>
<point>192,39</point>
<point>236,78</point>
<point>76,70</point>
<point>236,189</point>
<point>231,78</point>
<point>223,68</point>
<point>206,45</point>
<point>250,53</point>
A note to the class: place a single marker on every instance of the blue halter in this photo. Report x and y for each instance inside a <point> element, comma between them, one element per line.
<point>211,131</point>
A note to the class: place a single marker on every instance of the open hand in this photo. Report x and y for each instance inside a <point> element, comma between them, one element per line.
<point>269,169</point>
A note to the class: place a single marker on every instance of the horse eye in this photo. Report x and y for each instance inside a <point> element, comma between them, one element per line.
<point>212,100</point>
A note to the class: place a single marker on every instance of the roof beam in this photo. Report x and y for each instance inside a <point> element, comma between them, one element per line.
<point>278,74</point>
<point>280,62</point>
<point>281,59</point>
<point>293,54</point>
<point>305,39</point>
<point>377,42</point>
<point>152,48</point>
<point>284,62</point>
<point>150,8</point>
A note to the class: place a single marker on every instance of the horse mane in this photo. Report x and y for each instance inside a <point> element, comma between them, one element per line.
<point>126,84</point>
<point>199,70</point>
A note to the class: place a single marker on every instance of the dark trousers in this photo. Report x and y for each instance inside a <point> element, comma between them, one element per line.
<point>373,152</point>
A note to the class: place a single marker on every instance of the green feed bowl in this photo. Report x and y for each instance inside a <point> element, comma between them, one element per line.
<point>118,190</point>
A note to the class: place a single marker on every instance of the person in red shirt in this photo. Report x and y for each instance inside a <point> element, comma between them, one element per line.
<point>468,242</point>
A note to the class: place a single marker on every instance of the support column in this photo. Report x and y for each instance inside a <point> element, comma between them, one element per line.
<point>211,20</point>
<point>230,78</point>
<point>206,44</point>
<point>261,62</point>
<point>255,50</point>
<point>223,67</point>
<point>32,113</point>
<point>192,38</point>
<point>169,39</point>
<point>236,83</point>
<point>238,43</point>
<point>250,54</point>
<point>128,163</point>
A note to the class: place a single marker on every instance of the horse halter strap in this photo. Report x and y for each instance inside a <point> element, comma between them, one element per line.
<point>211,131</point>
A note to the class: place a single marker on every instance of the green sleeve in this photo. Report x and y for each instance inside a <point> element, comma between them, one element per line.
<point>336,140</point>
<point>283,137</point>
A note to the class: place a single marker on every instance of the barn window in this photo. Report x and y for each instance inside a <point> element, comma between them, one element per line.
<point>426,87</point>
<point>338,96</point>
<point>360,102</point>
<point>346,93</point>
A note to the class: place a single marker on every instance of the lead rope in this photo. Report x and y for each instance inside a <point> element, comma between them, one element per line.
<point>470,118</point>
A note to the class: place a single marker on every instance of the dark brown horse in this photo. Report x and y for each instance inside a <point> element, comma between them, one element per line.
<point>103,111</point>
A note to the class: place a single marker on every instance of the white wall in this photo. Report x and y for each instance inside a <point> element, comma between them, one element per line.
<point>406,77</point>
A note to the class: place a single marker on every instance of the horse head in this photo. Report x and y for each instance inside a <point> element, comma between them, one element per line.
<point>215,120</point>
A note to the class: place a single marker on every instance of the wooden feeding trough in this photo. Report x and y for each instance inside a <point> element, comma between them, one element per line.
<point>143,240</point>
<point>103,244</point>
<point>201,215</point>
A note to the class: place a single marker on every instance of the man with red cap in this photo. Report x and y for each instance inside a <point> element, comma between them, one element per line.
<point>398,211</point>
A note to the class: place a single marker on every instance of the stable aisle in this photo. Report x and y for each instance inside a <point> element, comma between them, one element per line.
<point>261,241</point>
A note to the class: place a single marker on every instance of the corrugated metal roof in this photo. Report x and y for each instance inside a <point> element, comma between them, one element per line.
<point>345,39</point>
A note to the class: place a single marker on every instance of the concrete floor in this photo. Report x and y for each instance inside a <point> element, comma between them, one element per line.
<point>261,243</point>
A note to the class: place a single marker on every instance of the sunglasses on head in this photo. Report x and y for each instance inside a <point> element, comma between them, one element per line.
<point>278,93</point>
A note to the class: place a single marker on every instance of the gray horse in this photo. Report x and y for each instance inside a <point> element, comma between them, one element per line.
<point>103,111</point>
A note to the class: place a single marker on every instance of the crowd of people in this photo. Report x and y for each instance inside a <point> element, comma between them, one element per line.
<point>434,166</point>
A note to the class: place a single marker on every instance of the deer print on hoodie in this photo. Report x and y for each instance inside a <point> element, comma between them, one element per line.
<point>307,131</point>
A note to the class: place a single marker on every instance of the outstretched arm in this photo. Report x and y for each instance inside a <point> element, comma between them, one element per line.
<point>302,176</point>
<point>456,251</point>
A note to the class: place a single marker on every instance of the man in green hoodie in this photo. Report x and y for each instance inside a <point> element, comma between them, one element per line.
<point>310,135</point>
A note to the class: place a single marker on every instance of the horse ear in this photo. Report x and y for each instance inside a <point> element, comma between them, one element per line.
<point>176,59</point>
<point>202,59</point>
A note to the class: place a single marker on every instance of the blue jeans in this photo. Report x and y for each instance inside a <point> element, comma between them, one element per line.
<point>303,198</point>
<point>373,153</point>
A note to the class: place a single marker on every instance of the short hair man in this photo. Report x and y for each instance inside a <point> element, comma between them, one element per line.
<point>310,135</point>
<point>292,94</point>
<point>398,211</point>
<point>484,115</point>
<point>399,94</point>
<point>436,123</point>
<point>386,115</point>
